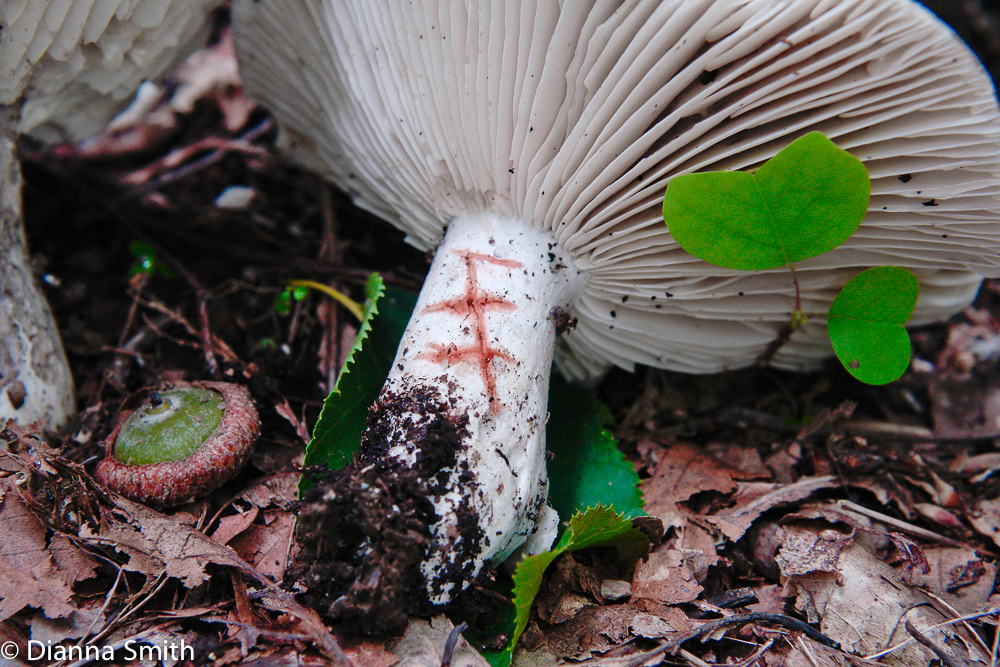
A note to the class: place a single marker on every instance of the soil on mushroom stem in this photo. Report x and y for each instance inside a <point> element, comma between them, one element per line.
<point>363,530</point>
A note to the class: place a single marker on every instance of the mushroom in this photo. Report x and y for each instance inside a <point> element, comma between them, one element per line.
<point>67,68</point>
<point>179,441</point>
<point>530,143</point>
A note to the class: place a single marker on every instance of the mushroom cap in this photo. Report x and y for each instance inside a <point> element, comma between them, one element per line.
<point>74,64</point>
<point>574,116</point>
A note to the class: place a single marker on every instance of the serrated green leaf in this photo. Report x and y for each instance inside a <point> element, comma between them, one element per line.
<point>596,527</point>
<point>345,411</point>
<point>803,202</point>
<point>527,581</point>
<point>866,323</point>
<point>600,526</point>
<point>587,468</point>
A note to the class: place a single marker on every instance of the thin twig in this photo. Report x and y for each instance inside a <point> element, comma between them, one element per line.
<point>942,655</point>
<point>451,642</point>
<point>906,642</point>
<point>902,525</point>
<point>107,600</point>
<point>857,427</point>
<point>996,647</point>
<point>128,611</point>
<point>788,622</point>
<point>806,651</point>
<point>148,180</point>
<point>944,603</point>
<point>902,617</point>
<point>757,654</point>
<point>692,658</point>
<point>211,363</point>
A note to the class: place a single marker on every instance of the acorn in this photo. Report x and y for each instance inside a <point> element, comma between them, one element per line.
<point>183,441</point>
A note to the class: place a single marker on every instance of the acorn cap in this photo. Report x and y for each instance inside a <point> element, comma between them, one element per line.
<point>172,482</point>
<point>73,65</point>
<point>574,116</point>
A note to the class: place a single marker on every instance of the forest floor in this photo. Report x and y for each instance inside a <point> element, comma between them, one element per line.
<point>786,500</point>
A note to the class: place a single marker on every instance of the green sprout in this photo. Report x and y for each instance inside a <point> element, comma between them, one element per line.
<point>297,290</point>
<point>805,201</point>
<point>145,261</point>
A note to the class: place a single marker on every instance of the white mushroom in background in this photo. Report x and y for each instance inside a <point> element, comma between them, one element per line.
<point>530,143</point>
<point>65,69</point>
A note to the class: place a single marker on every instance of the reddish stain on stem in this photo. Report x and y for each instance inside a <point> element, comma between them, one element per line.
<point>472,305</point>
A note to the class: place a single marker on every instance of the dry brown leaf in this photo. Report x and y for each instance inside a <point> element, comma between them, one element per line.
<point>665,577</point>
<point>806,550</point>
<point>698,547</point>
<point>283,409</point>
<point>277,490</point>
<point>370,654</point>
<point>964,407</point>
<point>567,607</point>
<point>232,525</point>
<point>986,519</point>
<point>423,643</point>
<point>599,629</point>
<point>74,564</point>
<point>938,515</point>
<point>803,653</point>
<point>267,546</point>
<point>770,599</point>
<point>753,499</point>
<point>864,604</point>
<point>34,573</point>
<point>22,535</point>
<point>39,587</point>
<point>158,544</point>
<point>737,456</point>
<point>87,615</point>
<point>679,471</point>
<point>957,575</point>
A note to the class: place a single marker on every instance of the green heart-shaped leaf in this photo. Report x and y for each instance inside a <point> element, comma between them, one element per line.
<point>866,323</point>
<point>803,202</point>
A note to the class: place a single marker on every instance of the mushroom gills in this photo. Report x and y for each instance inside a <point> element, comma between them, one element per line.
<point>455,445</point>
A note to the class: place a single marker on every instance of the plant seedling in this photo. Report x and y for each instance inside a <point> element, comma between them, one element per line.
<point>146,263</point>
<point>805,201</point>
<point>296,290</point>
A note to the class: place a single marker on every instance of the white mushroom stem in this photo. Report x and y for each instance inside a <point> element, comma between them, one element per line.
<point>483,333</point>
<point>452,465</point>
<point>35,380</point>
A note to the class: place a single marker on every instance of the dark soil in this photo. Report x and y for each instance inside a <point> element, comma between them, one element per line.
<point>363,530</point>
